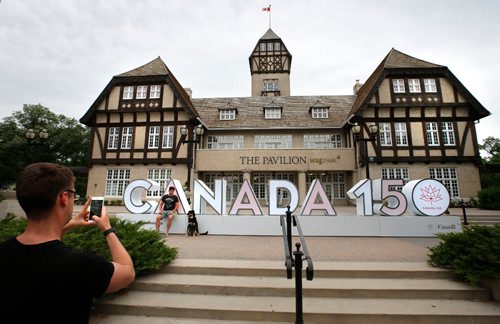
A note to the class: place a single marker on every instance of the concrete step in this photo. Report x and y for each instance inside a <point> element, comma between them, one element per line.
<point>203,291</point>
<point>321,269</point>
<point>319,287</point>
<point>487,220</point>
<point>136,319</point>
<point>316,310</point>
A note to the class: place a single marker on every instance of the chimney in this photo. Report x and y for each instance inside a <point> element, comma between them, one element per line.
<point>357,86</point>
<point>189,92</point>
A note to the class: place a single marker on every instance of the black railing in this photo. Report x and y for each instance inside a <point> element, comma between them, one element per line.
<point>296,260</point>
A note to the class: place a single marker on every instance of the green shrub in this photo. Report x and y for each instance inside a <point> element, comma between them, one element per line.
<point>146,247</point>
<point>11,226</point>
<point>473,254</point>
<point>488,198</point>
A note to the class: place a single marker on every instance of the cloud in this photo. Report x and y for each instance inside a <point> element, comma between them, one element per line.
<point>63,53</point>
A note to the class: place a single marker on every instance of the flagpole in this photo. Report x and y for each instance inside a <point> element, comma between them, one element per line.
<point>269,16</point>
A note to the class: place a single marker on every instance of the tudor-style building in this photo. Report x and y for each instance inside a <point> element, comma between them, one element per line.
<point>426,120</point>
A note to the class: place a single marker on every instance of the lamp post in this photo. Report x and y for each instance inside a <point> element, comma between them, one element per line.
<point>191,136</point>
<point>372,137</point>
<point>34,141</point>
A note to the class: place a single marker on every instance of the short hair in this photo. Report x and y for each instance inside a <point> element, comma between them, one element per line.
<point>38,186</point>
<point>171,188</point>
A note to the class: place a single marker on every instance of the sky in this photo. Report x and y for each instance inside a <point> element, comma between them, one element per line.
<point>62,53</point>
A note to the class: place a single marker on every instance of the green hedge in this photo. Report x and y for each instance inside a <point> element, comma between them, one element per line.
<point>473,254</point>
<point>488,198</point>
<point>146,247</point>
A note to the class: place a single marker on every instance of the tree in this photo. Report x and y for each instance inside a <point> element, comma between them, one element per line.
<point>67,144</point>
<point>491,146</point>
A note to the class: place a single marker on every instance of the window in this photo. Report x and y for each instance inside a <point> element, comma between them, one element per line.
<point>333,183</point>
<point>273,141</point>
<point>448,134</point>
<point>321,112</point>
<point>448,177</point>
<point>161,176</point>
<point>263,47</point>
<point>430,85</point>
<point>432,134</point>
<point>398,85</point>
<point>283,193</point>
<point>142,92</point>
<point>154,92</point>
<point>322,141</point>
<point>396,173</point>
<point>225,142</point>
<point>154,137</point>
<point>270,46</point>
<point>168,137</point>
<point>273,113</point>
<point>261,185</point>
<point>277,46</point>
<point>128,93</point>
<point>234,183</point>
<point>401,136</point>
<point>113,137</point>
<point>116,181</point>
<point>414,85</point>
<point>385,134</point>
<point>270,85</point>
<point>227,114</point>
<point>127,137</point>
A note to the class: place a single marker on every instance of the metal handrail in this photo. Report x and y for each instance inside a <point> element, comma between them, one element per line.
<point>297,259</point>
<point>288,255</point>
<point>310,268</point>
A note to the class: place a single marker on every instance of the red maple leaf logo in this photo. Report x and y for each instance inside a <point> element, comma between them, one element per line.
<point>430,194</point>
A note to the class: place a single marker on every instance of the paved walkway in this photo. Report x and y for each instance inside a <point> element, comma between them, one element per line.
<point>320,248</point>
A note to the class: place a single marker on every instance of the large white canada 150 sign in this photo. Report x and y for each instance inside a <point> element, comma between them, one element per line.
<point>424,197</point>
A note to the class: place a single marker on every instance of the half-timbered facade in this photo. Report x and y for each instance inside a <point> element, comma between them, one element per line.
<point>425,117</point>
<point>136,123</point>
<point>426,121</point>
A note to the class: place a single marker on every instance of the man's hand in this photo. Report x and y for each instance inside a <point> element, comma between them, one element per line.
<point>81,219</point>
<point>103,221</point>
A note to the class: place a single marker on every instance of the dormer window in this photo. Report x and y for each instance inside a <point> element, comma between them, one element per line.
<point>227,114</point>
<point>128,93</point>
<point>272,113</point>
<point>319,110</point>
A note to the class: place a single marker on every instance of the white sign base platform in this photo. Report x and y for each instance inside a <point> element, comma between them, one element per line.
<point>350,225</point>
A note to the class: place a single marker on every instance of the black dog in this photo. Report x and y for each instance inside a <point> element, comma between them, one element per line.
<point>192,226</point>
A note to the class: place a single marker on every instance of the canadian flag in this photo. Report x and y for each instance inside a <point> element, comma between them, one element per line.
<point>268,8</point>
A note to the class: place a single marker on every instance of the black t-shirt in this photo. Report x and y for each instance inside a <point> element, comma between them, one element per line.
<point>169,201</point>
<point>50,282</point>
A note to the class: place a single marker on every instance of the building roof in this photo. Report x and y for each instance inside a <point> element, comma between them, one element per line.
<point>396,59</point>
<point>295,112</point>
<point>269,35</point>
<point>155,67</point>
<point>157,70</point>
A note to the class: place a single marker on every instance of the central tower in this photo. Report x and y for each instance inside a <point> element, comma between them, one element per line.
<point>270,64</point>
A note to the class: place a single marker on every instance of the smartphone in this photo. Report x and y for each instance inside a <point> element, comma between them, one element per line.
<point>95,207</point>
